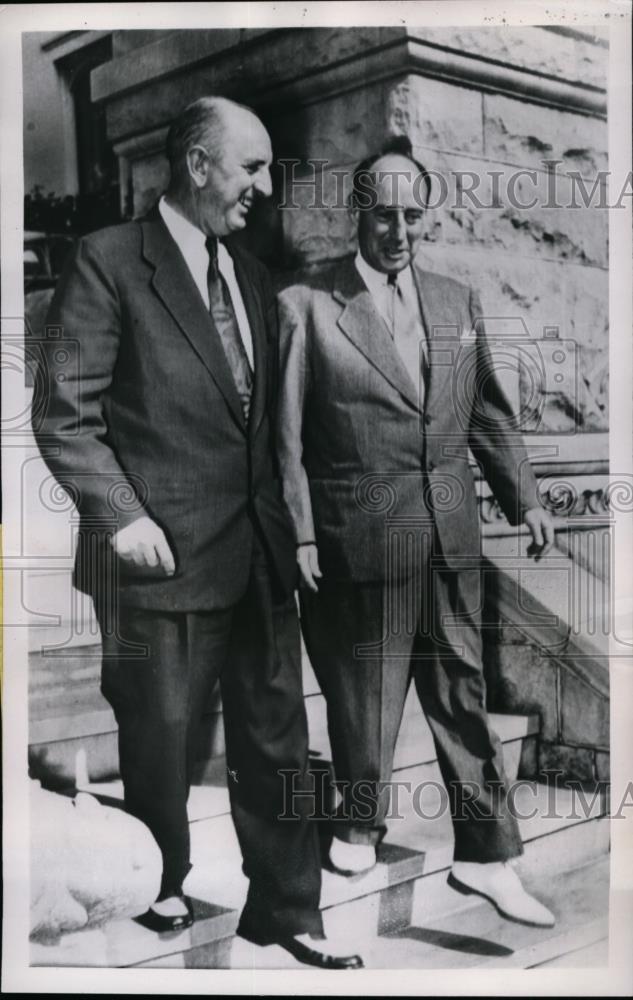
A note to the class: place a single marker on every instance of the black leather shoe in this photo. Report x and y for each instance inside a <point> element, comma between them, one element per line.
<point>310,956</point>
<point>162,924</point>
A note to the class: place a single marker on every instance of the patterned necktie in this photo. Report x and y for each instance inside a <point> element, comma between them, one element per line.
<point>408,335</point>
<point>223,315</point>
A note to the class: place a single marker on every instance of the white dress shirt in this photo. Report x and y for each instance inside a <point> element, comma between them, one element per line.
<point>191,242</point>
<point>381,292</point>
<point>399,306</point>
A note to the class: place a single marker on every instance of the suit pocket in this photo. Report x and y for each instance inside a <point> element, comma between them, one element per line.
<point>172,505</point>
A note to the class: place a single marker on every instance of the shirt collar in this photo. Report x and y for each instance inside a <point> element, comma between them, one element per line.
<point>184,232</point>
<point>377,280</point>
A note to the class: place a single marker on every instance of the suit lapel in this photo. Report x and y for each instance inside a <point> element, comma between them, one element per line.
<point>442,335</point>
<point>173,283</point>
<point>363,325</point>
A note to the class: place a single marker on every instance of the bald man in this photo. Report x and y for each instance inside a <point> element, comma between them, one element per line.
<point>387,382</point>
<point>164,442</point>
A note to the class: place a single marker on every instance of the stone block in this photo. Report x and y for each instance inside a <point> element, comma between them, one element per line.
<point>563,387</point>
<point>528,761</point>
<point>593,364</point>
<point>521,680</point>
<point>582,60</point>
<point>477,202</point>
<point>526,134</point>
<point>313,233</point>
<point>150,177</point>
<point>587,306</point>
<point>603,766</point>
<point>125,41</point>
<point>437,114</point>
<point>575,763</point>
<point>347,127</point>
<point>342,129</point>
<point>584,714</point>
<point>154,57</point>
<point>511,636</point>
<point>510,287</point>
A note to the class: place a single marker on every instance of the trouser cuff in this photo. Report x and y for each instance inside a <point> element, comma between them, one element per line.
<point>172,882</point>
<point>264,928</point>
<point>359,834</point>
<point>488,854</point>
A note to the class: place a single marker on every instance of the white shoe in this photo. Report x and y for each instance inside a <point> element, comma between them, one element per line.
<point>499,883</point>
<point>351,859</point>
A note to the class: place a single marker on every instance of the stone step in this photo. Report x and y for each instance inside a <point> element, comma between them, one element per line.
<point>71,726</point>
<point>405,889</point>
<point>415,848</point>
<point>478,937</point>
<point>415,762</point>
<point>474,938</point>
<point>582,956</point>
<point>68,716</point>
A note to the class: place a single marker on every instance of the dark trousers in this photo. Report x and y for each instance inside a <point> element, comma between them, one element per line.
<point>365,642</point>
<point>158,699</point>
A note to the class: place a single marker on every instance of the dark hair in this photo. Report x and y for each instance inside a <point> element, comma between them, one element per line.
<point>397,144</point>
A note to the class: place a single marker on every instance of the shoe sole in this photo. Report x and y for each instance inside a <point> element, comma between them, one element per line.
<point>467,890</point>
<point>309,956</point>
<point>349,872</point>
<point>150,924</point>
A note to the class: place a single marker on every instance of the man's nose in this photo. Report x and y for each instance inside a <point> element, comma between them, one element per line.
<point>263,183</point>
<point>399,229</point>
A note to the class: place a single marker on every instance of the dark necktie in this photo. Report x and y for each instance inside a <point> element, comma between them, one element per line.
<point>223,315</point>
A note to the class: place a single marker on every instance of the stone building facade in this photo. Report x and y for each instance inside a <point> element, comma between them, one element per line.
<point>511,123</point>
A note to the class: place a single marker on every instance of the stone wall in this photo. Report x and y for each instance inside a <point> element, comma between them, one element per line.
<point>541,272</point>
<point>481,105</point>
<point>574,715</point>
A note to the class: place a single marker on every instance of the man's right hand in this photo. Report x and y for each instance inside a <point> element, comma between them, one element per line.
<point>143,544</point>
<point>308,559</point>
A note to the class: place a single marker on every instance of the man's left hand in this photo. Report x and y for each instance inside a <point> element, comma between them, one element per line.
<point>542,530</point>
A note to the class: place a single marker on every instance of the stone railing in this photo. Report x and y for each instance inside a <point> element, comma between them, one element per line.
<point>548,626</point>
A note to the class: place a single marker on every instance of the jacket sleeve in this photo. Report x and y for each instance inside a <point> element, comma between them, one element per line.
<point>78,359</point>
<point>494,434</point>
<point>293,389</point>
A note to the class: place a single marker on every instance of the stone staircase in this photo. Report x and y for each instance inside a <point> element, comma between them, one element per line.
<point>402,914</point>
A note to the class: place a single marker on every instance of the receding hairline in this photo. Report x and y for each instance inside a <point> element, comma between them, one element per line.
<point>207,122</point>
<point>220,109</point>
<point>376,167</point>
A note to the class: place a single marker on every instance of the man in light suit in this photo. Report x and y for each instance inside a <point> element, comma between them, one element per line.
<point>163,439</point>
<point>387,382</point>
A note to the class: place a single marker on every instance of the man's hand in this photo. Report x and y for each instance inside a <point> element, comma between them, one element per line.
<point>144,545</point>
<point>308,559</point>
<point>542,530</point>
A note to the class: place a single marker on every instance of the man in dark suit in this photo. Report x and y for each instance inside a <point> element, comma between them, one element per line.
<point>387,382</point>
<point>164,442</point>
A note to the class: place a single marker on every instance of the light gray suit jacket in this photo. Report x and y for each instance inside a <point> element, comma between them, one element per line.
<point>359,451</point>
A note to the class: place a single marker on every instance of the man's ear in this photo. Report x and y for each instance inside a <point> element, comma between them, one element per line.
<point>198,165</point>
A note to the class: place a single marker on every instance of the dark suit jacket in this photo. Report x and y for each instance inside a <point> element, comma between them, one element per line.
<point>151,422</point>
<point>358,451</point>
